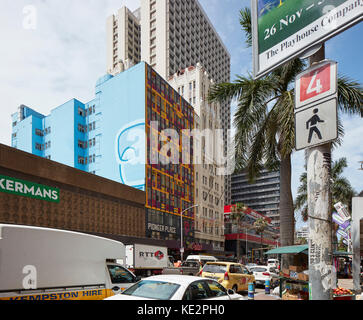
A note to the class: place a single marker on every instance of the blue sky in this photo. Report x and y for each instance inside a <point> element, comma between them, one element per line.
<point>66,52</point>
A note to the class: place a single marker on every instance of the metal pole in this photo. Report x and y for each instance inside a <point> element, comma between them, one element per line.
<point>246,248</point>
<point>319,210</point>
<point>181,231</point>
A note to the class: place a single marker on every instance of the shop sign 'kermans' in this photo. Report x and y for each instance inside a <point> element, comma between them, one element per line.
<point>28,189</point>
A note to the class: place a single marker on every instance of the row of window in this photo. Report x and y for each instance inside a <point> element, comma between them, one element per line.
<point>41,133</point>
<point>212,214</point>
<point>85,144</point>
<point>86,112</point>
<point>42,147</point>
<point>86,160</point>
<point>168,202</point>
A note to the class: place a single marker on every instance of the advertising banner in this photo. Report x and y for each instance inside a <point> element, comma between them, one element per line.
<point>284,29</point>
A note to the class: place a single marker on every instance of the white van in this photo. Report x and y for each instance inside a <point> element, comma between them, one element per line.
<point>201,258</point>
<point>50,264</point>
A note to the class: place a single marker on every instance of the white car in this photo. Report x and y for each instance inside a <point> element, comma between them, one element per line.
<point>177,287</point>
<point>251,265</point>
<point>263,273</point>
<point>274,263</point>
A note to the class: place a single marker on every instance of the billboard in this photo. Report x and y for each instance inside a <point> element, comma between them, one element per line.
<point>284,29</point>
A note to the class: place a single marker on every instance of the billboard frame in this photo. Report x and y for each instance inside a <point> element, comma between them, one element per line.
<point>258,73</point>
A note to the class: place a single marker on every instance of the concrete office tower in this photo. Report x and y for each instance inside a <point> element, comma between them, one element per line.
<point>123,40</point>
<point>193,84</point>
<point>177,34</point>
<point>262,196</point>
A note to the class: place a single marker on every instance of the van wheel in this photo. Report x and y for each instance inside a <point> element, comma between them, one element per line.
<point>235,288</point>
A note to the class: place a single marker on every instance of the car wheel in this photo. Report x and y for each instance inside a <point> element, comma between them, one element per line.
<point>235,288</point>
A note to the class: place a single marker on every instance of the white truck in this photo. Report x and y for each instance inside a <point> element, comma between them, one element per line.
<point>50,264</point>
<point>147,260</point>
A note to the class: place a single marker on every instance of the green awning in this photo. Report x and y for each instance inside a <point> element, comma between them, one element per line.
<point>290,249</point>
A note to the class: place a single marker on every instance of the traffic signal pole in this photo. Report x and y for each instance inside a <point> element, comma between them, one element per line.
<point>319,211</point>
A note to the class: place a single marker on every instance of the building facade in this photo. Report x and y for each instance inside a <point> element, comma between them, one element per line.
<point>193,84</point>
<point>123,40</point>
<point>176,34</point>
<point>244,235</point>
<point>38,192</point>
<point>263,195</point>
<point>119,135</point>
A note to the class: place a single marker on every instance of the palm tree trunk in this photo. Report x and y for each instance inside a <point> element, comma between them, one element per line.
<point>286,210</point>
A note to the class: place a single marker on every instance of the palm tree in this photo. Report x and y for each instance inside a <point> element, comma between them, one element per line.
<point>260,226</point>
<point>237,216</point>
<point>264,123</point>
<point>341,189</point>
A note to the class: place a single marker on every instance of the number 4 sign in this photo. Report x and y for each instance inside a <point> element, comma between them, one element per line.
<point>316,83</point>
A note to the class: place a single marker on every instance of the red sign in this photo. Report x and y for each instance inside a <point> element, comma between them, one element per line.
<point>315,83</point>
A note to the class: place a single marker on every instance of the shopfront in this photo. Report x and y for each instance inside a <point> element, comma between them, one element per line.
<point>43,193</point>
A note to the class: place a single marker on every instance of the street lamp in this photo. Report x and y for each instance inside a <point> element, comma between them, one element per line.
<point>181,231</point>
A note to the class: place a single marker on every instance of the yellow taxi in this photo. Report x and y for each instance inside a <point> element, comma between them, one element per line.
<point>230,275</point>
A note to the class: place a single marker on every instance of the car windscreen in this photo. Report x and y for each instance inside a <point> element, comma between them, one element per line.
<point>215,268</point>
<point>258,269</point>
<point>148,289</point>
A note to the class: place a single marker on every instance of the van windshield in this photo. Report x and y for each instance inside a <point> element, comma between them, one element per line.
<point>215,268</point>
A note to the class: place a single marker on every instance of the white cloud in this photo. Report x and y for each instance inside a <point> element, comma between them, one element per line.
<point>58,60</point>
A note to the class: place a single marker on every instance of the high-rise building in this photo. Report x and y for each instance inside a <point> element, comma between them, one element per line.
<point>263,195</point>
<point>123,40</point>
<point>193,84</point>
<point>114,136</point>
<point>176,34</point>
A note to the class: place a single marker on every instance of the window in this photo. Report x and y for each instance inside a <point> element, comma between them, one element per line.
<point>81,112</point>
<point>159,290</point>
<point>39,132</point>
<point>215,289</point>
<point>119,274</point>
<point>196,291</point>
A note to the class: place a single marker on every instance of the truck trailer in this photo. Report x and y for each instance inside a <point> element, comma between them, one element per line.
<point>147,260</point>
<point>50,264</point>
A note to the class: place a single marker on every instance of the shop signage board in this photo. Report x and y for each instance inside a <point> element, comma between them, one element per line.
<point>28,189</point>
<point>285,29</point>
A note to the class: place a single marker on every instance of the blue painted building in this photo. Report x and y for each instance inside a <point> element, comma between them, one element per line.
<point>83,135</point>
<point>107,136</point>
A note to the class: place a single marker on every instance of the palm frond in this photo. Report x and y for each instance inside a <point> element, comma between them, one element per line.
<point>245,22</point>
<point>350,96</point>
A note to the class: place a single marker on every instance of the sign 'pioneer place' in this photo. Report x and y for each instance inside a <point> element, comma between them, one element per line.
<point>284,29</point>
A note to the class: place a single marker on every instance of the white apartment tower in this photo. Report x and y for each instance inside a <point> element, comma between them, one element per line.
<point>123,40</point>
<point>176,34</point>
<point>193,84</point>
